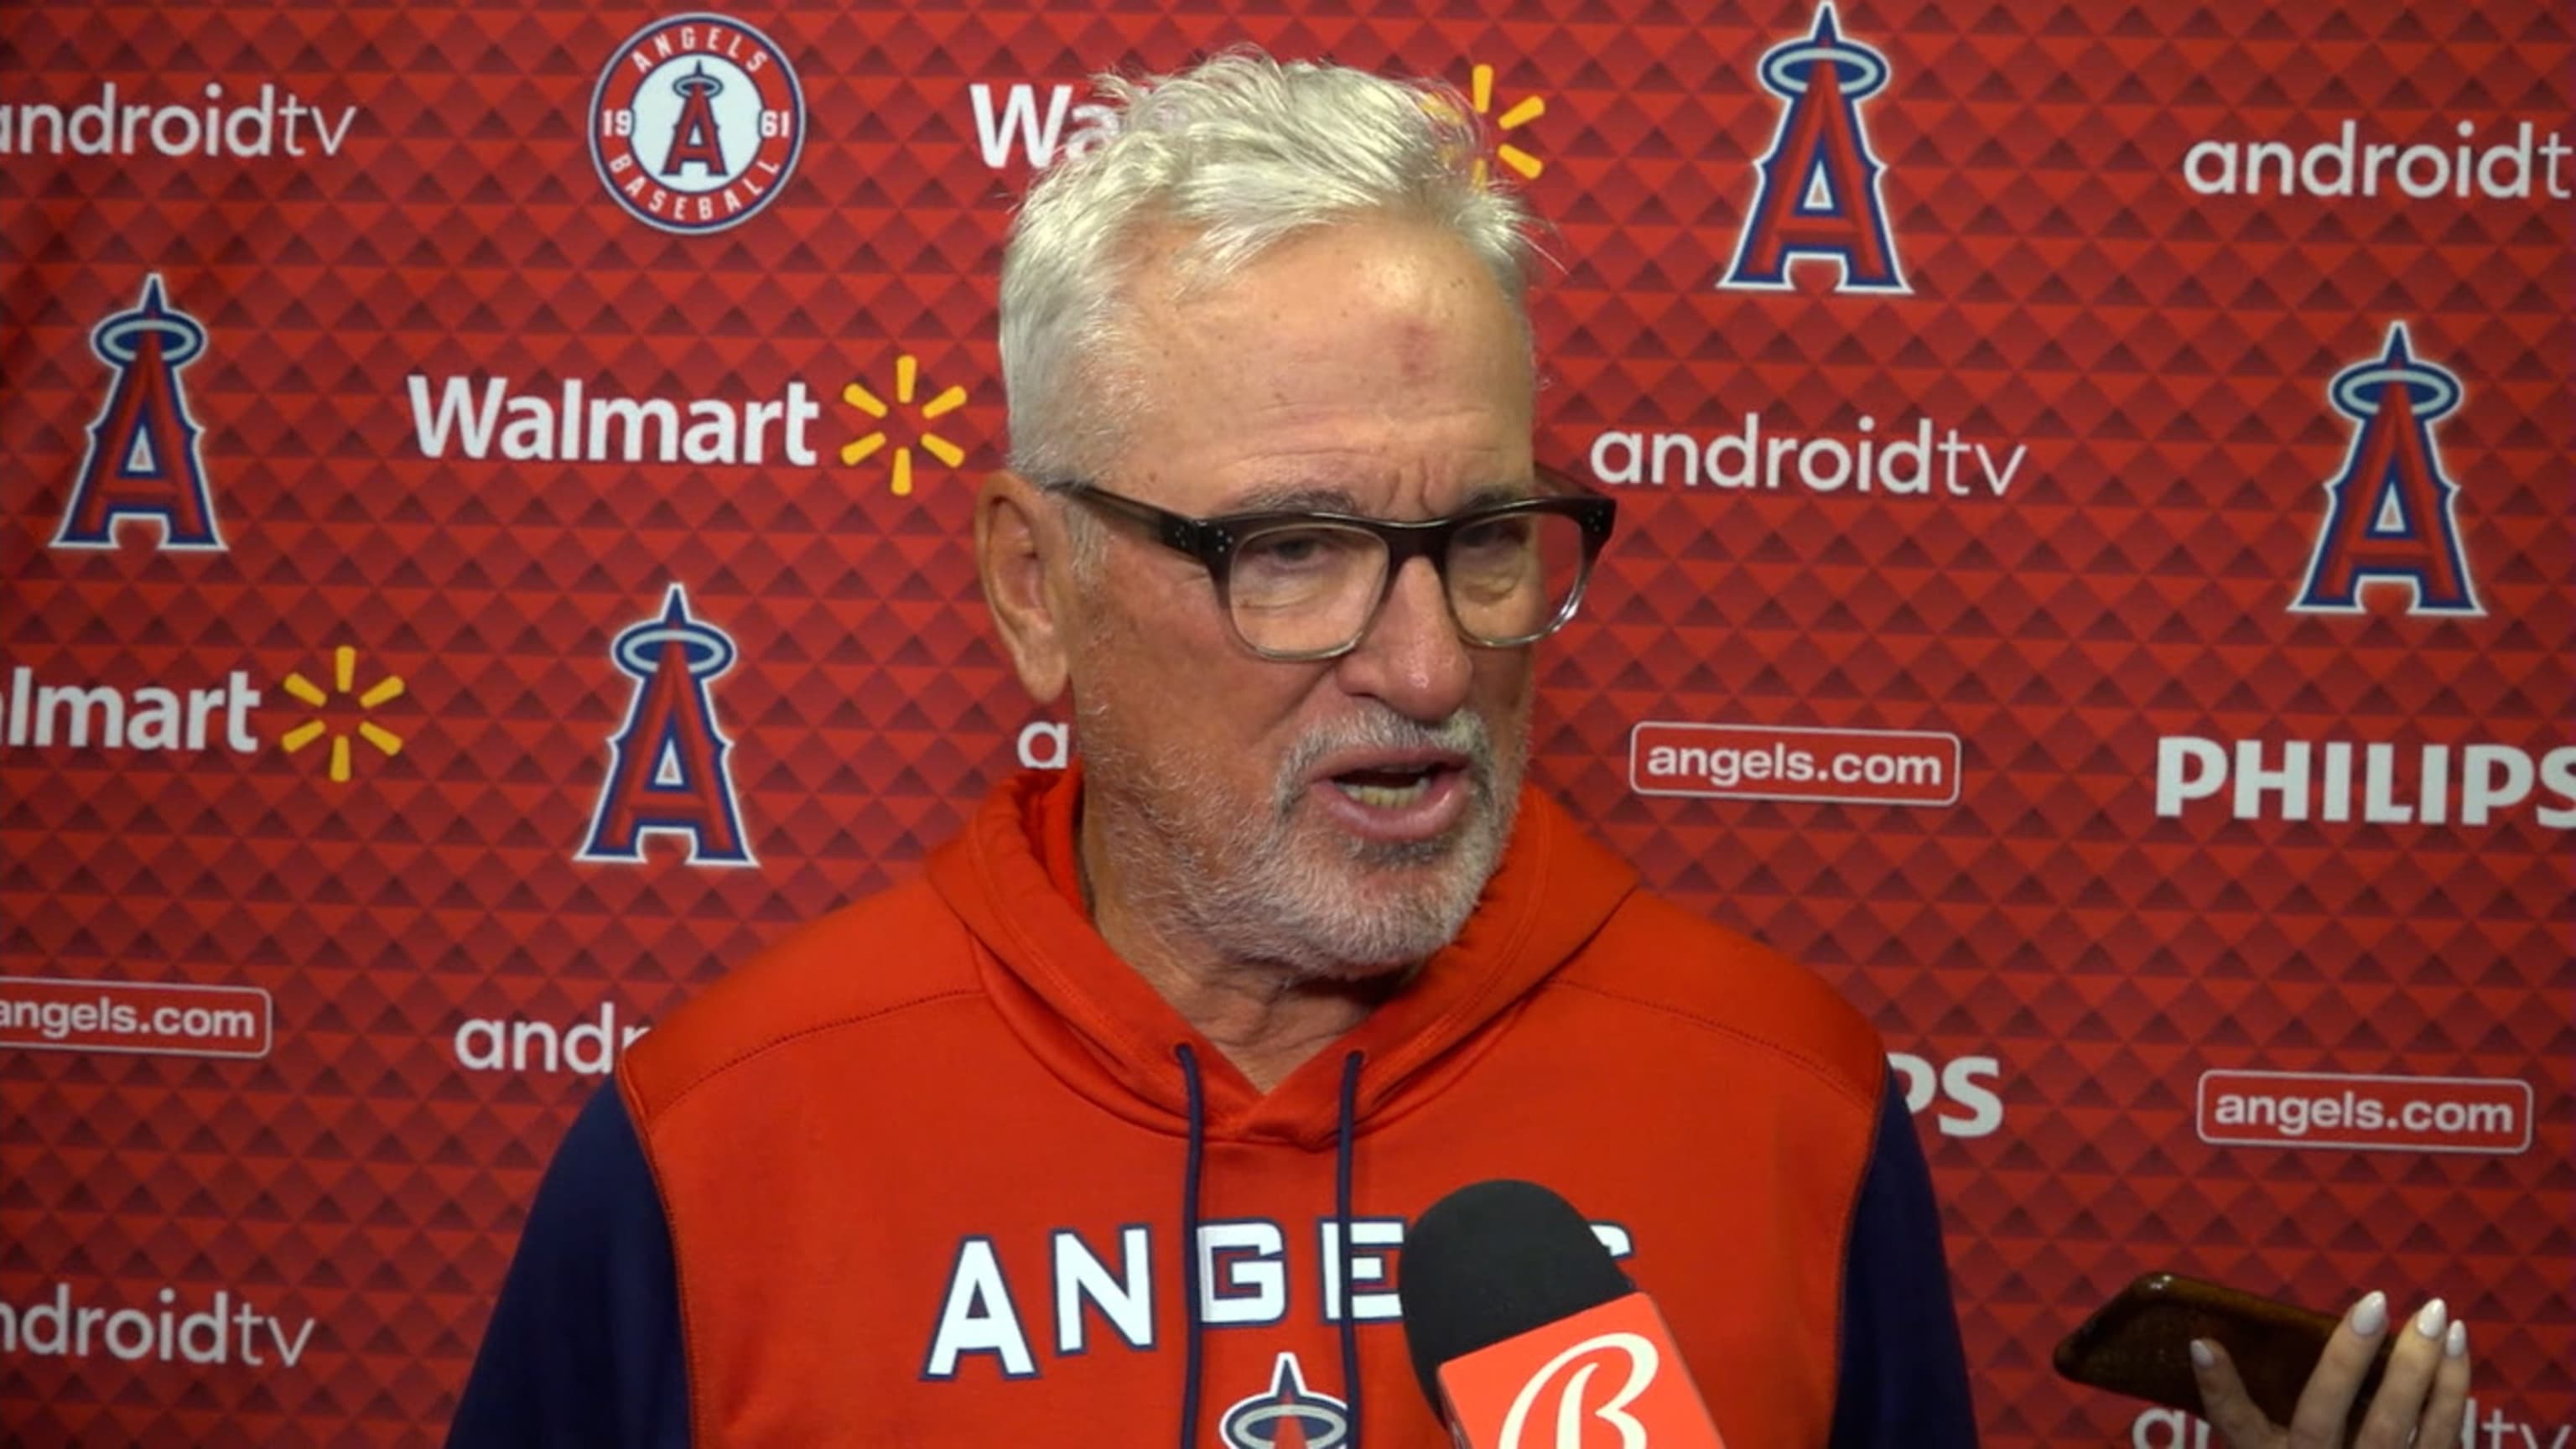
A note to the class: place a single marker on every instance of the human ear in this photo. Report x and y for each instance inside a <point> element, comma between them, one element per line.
<point>1021,560</point>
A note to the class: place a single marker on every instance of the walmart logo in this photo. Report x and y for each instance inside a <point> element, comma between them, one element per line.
<point>173,715</point>
<point>574,422</point>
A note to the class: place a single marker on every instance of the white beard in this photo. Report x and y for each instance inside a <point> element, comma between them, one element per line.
<point>1255,887</point>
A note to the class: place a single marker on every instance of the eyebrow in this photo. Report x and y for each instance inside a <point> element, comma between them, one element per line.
<point>1315,498</point>
<point>1500,493</point>
<point>1293,497</point>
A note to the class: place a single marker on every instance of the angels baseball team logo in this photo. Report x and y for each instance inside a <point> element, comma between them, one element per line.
<point>1818,194</point>
<point>696,123</point>
<point>666,764</point>
<point>142,460</point>
<point>1287,1415</point>
<point>2389,513</point>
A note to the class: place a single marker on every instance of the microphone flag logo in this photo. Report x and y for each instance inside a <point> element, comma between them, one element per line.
<point>1613,1366</point>
<point>1643,1361</point>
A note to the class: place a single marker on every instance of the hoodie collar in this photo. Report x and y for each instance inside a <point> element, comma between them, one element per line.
<point>1013,877</point>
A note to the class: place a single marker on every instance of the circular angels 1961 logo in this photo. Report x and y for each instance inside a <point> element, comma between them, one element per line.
<point>696,123</point>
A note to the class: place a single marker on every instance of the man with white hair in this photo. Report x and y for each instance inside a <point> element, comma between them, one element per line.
<point>1107,1129</point>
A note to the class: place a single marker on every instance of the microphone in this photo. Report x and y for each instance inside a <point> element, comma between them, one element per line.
<point>1513,1311</point>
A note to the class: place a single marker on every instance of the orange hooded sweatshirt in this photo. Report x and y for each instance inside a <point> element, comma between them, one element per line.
<point>940,1169</point>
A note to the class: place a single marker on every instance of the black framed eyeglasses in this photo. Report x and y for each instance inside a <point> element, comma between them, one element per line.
<point>1300,585</point>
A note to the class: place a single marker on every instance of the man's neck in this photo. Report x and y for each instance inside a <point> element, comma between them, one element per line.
<point>1266,1019</point>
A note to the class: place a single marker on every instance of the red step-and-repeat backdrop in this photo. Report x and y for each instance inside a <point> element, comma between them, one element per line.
<point>2094,580</point>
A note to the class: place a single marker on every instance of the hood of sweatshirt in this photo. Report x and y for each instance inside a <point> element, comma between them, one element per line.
<point>1014,878</point>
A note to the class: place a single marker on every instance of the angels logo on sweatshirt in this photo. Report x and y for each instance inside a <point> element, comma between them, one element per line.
<point>1286,1415</point>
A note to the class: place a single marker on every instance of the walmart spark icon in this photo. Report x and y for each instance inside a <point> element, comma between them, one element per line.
<point>1480,94</point>
<point>344,674</point>
<point>907,378</point>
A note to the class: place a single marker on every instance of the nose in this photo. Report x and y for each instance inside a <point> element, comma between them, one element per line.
<point>1412,658</point>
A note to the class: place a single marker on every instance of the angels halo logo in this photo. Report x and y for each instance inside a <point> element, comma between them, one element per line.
<point>696,123</point>
<point>1286,1415</point>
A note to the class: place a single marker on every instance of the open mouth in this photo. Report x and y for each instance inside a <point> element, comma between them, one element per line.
<point>1393,787</point>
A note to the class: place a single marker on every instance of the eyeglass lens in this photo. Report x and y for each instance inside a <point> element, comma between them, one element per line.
<point>1311,588</point>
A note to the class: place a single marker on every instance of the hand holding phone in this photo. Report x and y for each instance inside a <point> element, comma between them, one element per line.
<point>2139,1344</point>
<point>2376,1387</point>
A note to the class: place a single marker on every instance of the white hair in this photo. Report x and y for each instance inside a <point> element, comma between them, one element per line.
<point>1232,156</point>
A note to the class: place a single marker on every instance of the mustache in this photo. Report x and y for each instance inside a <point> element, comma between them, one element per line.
<point>1463,733</point>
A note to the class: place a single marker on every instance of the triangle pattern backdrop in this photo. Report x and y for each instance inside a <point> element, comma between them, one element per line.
<point>345,732</point>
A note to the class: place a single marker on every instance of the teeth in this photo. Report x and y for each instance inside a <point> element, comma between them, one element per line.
<point>1386,797</point>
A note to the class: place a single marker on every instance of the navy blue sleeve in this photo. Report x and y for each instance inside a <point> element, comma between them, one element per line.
<point>1901,1379</point>
<point>584,1348</point>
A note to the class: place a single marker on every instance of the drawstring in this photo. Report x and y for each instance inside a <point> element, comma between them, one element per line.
<point>1342,1215</point>
<point>1195,1091</point>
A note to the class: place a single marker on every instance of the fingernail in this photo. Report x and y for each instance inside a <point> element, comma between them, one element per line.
<point>2370,1315</point>
<point>2203,1358</point>
<point>2455,1344</point>
<point>2434,1317</point>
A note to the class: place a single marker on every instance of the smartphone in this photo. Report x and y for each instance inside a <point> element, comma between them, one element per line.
<point>2139,1344</point>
